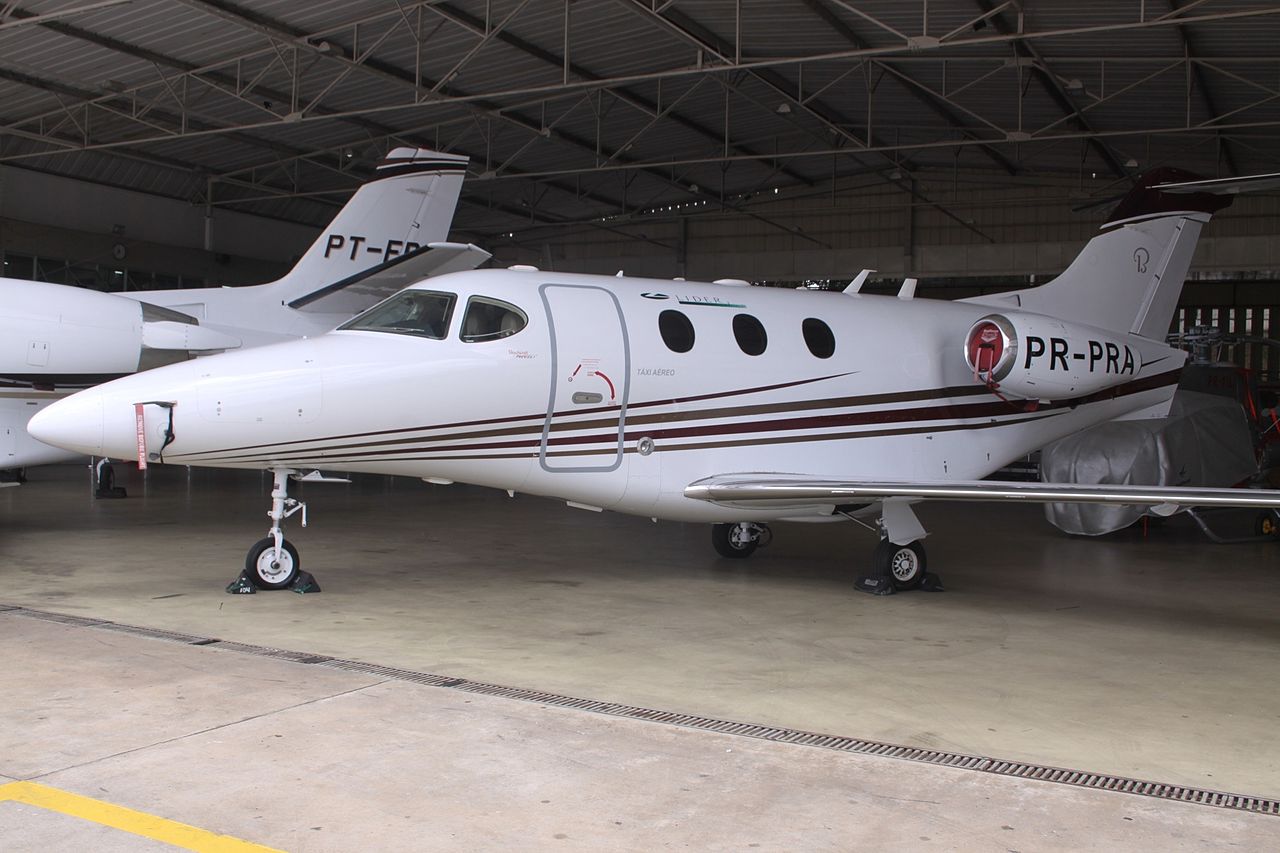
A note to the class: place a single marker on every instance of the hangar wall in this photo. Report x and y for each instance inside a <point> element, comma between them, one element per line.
<point>48,216</point>
<point>989,228</point>
<point>981,226</point>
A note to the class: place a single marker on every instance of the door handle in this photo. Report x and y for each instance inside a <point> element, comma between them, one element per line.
<point>583,397</point>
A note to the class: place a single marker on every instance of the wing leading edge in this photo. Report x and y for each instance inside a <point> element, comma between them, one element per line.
<point>754,490</point>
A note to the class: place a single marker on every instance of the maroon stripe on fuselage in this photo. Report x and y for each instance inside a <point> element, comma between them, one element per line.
<point>703,445</point>
<point>542,416</point>
<point>961,411</point>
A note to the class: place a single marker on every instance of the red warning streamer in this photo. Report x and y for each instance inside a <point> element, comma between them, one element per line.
<point>141,421</point>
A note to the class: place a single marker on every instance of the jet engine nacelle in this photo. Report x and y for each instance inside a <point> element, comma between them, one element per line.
<point>1034,357</point>
<point>57,335</point>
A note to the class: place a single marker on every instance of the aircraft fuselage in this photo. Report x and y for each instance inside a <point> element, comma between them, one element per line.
<point>593,400</point>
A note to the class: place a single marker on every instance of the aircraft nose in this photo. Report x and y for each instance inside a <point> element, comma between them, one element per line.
<point>75,423</point>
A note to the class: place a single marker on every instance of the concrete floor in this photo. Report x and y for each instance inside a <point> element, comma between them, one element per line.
<point>1152,659</point>
<point>295,757</point>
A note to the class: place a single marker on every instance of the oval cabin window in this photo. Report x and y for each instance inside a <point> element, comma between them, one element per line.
<point>818,338</point>
<point>490,319</point>
<point>676,330</point>
<point>750,334</point>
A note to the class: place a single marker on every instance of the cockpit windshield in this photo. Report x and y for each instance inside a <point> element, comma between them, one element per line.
<point>424,313</point>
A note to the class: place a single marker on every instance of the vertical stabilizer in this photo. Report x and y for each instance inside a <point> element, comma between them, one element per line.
<point>1129,277</point>
<point>407,203</point>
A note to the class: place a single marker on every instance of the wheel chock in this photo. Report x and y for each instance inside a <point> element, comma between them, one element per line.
<point>931,583</point>
<point>304,583</point>
<point>874,585</point>
<point>242,585</point>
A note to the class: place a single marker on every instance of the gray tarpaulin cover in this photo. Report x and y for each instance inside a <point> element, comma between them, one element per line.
<point>1205,441</point>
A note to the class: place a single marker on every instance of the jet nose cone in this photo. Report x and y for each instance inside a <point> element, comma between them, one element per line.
<point>74,423</point>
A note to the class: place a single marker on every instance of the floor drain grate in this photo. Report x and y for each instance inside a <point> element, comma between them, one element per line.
<point>266,652</point>
<point>797,737</point>
<point>155,634</point>
<point>61,618</point>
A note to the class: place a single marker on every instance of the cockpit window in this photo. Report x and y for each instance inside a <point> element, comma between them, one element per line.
<point>423,313</point>
<point>489,319</point>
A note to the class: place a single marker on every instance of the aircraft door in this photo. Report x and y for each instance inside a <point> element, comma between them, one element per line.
<point>590,379</point>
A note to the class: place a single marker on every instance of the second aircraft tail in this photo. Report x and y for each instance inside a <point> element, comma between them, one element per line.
<point>408,203</point>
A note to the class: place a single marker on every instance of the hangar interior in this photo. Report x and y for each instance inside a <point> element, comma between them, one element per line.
<point>976,145</point>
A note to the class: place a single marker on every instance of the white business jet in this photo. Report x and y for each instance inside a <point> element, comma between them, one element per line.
<point>711,402</point>
<point>55,338</point>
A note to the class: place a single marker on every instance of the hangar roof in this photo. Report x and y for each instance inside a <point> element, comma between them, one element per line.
<point>595,111</point>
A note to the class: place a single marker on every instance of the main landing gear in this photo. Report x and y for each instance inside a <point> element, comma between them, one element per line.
<point>898,568</point>
<point>740,540</point>
<point>898,563</point>
<point>272,563</point>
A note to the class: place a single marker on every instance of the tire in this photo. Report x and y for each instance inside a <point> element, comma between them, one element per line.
<point>903,565</point>
<point>1266,524</point>
<point>722,539</point>
<point>257,564</point>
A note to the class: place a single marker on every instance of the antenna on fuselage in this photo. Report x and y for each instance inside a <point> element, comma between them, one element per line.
<point>856,285</point>
<point>908,289</point>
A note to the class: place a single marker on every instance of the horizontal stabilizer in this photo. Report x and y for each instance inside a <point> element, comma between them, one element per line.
<point>1224,186</point>
<point>744,490</point>
<point>364,289</point>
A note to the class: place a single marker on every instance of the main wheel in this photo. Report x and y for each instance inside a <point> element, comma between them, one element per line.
<point>263,569</point>
<point>735,541</point>
<point>904,565</point>
<point>1266,524</point>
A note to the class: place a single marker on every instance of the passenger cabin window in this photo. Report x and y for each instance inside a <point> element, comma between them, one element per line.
<point>818,337</point>
<point>677,331</point>
<point>489,319</point>
<point>750,334</point>
<point>423,313</point>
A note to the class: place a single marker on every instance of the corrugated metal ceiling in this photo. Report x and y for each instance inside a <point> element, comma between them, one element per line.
<point>163,95</point>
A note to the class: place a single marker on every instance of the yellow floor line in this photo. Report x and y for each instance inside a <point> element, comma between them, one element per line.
<point>127,820</point>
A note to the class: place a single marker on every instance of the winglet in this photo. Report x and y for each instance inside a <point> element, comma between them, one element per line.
<point>856,285</point>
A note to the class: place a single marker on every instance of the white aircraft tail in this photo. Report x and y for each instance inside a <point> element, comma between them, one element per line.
<point>1129,277</point>
<point>408,203</point>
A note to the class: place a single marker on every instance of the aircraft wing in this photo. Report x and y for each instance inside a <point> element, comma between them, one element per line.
<point>760,490</point>
<point>364,289</point>
<point>1225,186</point>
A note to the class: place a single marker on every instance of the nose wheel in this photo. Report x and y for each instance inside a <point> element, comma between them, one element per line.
<point>267,570</point>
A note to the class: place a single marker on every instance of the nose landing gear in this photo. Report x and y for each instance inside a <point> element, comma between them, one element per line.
<point>273,563</point>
